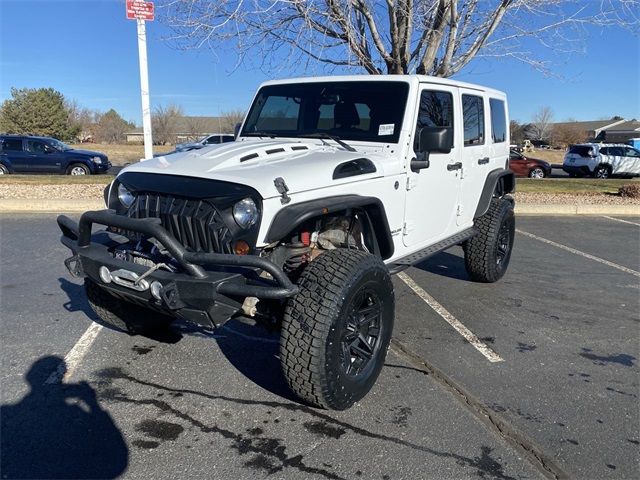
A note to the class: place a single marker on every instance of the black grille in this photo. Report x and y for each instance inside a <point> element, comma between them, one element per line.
<point>195,223</point>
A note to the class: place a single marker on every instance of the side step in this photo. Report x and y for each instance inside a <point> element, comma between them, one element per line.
<point>416,257</point>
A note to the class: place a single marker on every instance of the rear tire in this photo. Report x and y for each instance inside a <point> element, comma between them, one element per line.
<point>602,171</point>
<point>78,169</point>
<point>122,315</point>
<point>537,173</point>
<point>337,329</point>
<point>487,254</point>
<point>4,170</point>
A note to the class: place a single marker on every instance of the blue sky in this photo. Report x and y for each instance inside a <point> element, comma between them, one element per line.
<point>87,49</point>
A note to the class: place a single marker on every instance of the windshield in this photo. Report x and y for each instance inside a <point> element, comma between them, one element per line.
<point>367,111</point>
<point>58,144</point>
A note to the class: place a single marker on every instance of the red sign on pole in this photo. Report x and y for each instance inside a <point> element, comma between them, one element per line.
<point>139,9</point>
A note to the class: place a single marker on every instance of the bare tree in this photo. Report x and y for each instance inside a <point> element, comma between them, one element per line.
<point>540,128</point>
<point>229,119</point>
<point>564,134</point>
<point>516,130</point>
<point>165,122</point>
<point>195,127</point>
<point>111,127</point>
<point>436,37</point>
<point>82,120</point>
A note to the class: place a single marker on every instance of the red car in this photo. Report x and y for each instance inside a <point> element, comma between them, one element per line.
<point>528,167</point>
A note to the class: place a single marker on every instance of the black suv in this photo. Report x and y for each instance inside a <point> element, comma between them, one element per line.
<point>23,154</point>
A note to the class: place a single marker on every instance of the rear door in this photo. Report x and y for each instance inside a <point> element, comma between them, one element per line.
<point>475,153</point>
<point>13,152</point>
<point>432,193</point>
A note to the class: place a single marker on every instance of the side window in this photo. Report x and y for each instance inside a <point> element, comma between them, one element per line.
<point>213,139</point>
<point>631,152</point>
<point>616,151</point>
<point>34,146</point>
<point>279,113</point>
<point>227,138</point>
<point>473,118</point>
<point>514,156</point>
<point>604,151</point>
<point>11,145</point>
<point>498,120</point>
<point>436,110</point>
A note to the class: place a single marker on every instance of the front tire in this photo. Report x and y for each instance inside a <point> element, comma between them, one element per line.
<point>487,254</point>
<point>122,315</point>
<point>78,169</point>
<point>337,329</point>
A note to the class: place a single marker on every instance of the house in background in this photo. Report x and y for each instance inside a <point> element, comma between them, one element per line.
<point>188,128</point>
<point>591,128</point>
<point>619,133</point>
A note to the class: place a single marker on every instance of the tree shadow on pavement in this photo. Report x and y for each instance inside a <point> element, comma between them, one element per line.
<point>59,431</point>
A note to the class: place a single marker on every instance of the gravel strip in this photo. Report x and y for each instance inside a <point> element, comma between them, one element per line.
<point>95,191</point>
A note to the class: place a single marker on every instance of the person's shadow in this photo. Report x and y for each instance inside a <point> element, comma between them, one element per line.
<point>59,431</point>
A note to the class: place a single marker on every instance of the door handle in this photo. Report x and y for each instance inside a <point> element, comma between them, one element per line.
<point>483,161</point>
<point>454,166</point>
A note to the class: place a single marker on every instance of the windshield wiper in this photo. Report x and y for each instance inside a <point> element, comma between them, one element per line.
<point>259,134</point>
<point>323,135</point>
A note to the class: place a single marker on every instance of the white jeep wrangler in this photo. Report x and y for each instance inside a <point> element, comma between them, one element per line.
<point>333,185</point>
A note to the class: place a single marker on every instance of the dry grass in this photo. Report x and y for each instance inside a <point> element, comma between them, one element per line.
<point>122,154</point>
<point>551,156</point>
<point>55,179</point>
<point>571,185</point>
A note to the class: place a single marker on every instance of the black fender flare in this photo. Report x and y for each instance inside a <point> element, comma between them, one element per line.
<point>499,182</point>
<point>292,216</point>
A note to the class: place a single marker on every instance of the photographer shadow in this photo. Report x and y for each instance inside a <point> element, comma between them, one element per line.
<point>59,431</point>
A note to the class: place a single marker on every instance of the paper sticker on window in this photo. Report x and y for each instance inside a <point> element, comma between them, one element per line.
<point>386,129</point>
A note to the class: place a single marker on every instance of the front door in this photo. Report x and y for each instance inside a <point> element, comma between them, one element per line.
<point>42,157</point>
<point>432,196</point>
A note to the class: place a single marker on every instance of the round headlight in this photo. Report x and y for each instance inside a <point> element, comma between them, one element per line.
<point>96,159</point>
<point>245,212</point>
<point>125,196</point>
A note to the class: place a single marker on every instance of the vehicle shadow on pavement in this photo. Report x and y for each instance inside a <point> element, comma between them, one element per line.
<point>254,352</point>
<point>447,265</point>
<point>59,431</point>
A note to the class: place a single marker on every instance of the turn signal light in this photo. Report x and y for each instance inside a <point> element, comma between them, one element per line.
<point>241,247</point>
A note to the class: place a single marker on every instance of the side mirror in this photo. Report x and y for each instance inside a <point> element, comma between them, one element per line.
<point>435,140</point>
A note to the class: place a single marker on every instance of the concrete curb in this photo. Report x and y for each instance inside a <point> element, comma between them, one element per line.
<point>585,209</point>
<point>54,205</point>
<point>38,205</point>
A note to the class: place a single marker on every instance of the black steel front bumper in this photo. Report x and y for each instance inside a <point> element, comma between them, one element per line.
<point>211,288</point>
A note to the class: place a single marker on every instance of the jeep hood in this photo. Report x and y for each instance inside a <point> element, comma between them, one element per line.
<point>304,165</point>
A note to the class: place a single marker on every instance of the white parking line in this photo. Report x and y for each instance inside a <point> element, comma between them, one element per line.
<point>468,335</point>
<point>578,252</point>
<point>73,358</point>
<point>621,220</point>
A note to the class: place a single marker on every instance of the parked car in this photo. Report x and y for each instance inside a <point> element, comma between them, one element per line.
<point>188,148</point>
<point>601,161</point>
<point>361,179</point>
<point>524,166</point>
<point>25,154</point>
<point>211,139</point>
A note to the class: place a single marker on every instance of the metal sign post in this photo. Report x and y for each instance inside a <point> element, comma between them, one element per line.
<point>142,11</point>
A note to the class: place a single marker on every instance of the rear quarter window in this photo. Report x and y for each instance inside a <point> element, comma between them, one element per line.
<point>581,150</point>
<point>498,120</point>
<point>11,145</point>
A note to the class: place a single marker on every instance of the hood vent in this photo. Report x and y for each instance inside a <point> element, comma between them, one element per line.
<point>274,150</point>
<point>249,157</point>
<point>300,147</point>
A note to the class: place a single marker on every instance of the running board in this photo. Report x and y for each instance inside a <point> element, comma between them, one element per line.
<point>416,257</point>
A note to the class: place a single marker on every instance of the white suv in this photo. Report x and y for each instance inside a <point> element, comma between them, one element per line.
<point>333,185</point>
<point>601,160</point>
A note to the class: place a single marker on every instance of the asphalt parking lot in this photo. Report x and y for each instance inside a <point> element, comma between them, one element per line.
<point>548,386</point>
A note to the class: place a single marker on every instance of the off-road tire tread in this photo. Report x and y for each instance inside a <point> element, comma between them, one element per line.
<point>323,285</point>
<point>479,250</point>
